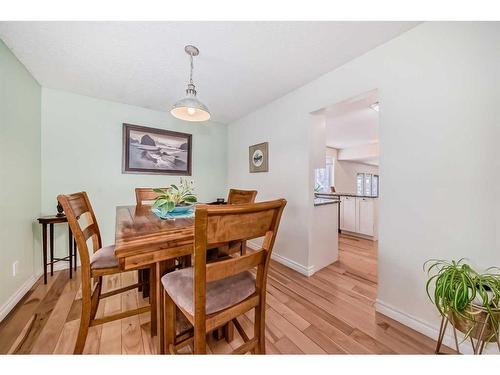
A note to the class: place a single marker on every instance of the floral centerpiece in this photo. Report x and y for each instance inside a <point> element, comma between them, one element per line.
<point>175,199</point>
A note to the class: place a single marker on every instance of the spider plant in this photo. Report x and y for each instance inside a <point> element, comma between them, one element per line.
<point>461,291</point>
<point>175,195</point>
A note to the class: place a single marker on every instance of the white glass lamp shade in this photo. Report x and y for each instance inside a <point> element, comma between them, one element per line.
<point>190,108</point>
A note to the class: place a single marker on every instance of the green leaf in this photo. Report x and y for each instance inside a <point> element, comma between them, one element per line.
<point>169,206</point>
<point>160,202</point>
<point>159,191</point>
<point>190,199</point>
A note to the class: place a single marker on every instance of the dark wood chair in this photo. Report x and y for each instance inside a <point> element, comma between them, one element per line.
<point>101,262</point>
<point>215,294</point>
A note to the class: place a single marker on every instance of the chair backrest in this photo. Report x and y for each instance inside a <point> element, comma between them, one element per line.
<point>145,195</point>
<point>78,212</point>
<point>217,225</point>
<point>236,196</point>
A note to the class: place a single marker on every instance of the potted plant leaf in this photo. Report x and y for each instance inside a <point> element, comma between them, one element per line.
<point>469,300</point>
<point>175,199</point>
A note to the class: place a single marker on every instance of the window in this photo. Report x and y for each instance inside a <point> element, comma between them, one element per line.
<point>323,177</point>
<point>367,184</point>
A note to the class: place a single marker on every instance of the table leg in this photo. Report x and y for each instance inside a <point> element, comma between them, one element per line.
<point>70,253</point>
<point>152,299</point>
<point>44,251</point>
<point>51,249</point>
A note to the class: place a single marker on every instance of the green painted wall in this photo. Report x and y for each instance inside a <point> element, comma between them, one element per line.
<point>82,150</point>
<point>20,119</point>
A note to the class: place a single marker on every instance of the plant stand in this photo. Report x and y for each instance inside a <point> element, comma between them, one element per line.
<point>477,347</point>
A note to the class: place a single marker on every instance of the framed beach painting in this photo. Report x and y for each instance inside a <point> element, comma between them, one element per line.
<point>156,151</point>
<point>258,158</point>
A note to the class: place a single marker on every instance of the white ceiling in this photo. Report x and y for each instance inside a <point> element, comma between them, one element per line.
<point>241,66</point>
<point>352,122</point>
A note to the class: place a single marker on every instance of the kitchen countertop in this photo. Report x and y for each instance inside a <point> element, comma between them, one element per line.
<point>323,195</point>
<point>324,201</point>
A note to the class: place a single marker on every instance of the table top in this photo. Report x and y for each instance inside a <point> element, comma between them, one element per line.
<point>139,230</point>
<point>52,219</point>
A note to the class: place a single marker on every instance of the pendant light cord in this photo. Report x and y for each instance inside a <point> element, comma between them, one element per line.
<point>191,72</point>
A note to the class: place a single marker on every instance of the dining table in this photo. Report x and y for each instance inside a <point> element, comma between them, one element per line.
<point>143,240</point>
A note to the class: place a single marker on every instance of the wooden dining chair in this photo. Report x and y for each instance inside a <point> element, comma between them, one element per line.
<point>145,196</point>
<point>236,196</point>
<point>101,262</point>
<point>214,294</point>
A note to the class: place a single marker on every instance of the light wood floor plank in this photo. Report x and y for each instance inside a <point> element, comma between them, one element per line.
<point>286,346</point>
<point>111,334</point>
<point>15,323</point>
<point>131,327</point>
<point>49,336</point>
<point>331,312</point>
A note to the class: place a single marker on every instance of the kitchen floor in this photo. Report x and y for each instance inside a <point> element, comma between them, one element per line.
<point>358,257</point>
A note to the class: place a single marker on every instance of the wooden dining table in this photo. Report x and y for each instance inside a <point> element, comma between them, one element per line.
<point>144,240</point>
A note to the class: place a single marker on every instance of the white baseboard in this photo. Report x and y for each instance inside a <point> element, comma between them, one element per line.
<point>306,271</point>
<point>14,299</point>
<point>6,308</point>
<point>427,329</point>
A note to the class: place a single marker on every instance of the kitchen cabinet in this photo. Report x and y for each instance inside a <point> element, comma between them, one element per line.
<point>365,211</point>
<point>348,214</point>
<point>358,215</point>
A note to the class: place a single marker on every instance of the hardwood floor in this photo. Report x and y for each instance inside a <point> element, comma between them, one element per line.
<point>331,312</point>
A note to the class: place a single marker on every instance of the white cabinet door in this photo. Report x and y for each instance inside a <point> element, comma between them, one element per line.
<point>348,214</point>
<point>365,216</point>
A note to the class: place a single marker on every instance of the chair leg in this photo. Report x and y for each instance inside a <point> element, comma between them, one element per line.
<point>84,326</point>
<point>169,318</point>
<point>162,321</point>
<point>243,249</point>
<point>260,329</point>
<point>229,332</point>
<point>200,337</point>
<point>140,279</point>
<point>95,298</point>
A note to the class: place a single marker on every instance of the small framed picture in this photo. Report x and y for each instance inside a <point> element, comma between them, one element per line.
<point>259,157</point>
<point>155,151</point>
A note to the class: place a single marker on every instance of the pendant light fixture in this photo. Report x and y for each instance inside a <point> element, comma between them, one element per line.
<point>190,108</point>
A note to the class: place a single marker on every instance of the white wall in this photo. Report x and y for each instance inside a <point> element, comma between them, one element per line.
<point>82,150</point>
<point>366,153</point>
<point>346,174</point>
<point>323,237</point>
<point>284,127</point>
<point>438,86</point>
<point>19,178</point>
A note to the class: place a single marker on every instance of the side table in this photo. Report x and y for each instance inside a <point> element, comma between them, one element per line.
<point>71,258</point>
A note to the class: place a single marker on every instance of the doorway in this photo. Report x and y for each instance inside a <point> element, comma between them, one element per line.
<point>352,176</point>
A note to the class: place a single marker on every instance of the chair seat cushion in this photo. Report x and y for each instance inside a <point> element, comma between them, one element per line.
<point>221,294</point>
<point>104,258</point>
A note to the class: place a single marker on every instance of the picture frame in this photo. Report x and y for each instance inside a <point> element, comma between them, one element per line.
<point>258,157</point>
<point>156,151</point>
